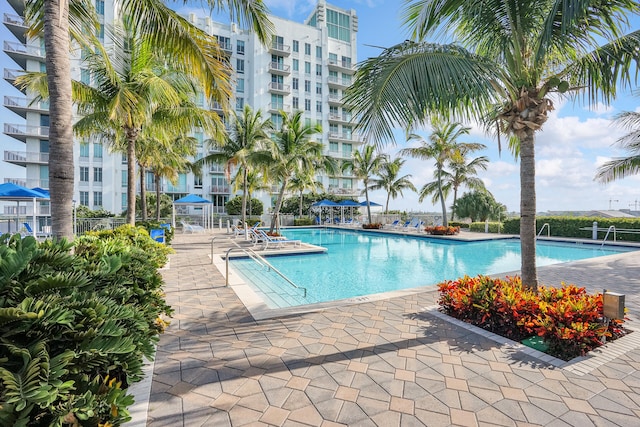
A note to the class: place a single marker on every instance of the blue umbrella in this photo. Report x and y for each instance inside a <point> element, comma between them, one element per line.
<point>370,203</point>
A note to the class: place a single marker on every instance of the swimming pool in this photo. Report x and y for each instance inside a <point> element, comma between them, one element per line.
<point>358,264</point>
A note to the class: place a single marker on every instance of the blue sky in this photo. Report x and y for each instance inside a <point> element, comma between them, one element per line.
<point>574,141</point>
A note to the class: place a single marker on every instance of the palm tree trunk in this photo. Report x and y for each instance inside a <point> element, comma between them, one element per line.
<point>442,201</point>
<point>276,212</point>
<point>528,210</point>
<point>61,160</point>
<point>455,198</point>
<point>131,135</point>
<point>300,203</point>
<point>366,196</point>
<point>157,196</point>
<point>386,206</point>
<point>143,193</point>
<point>244,203</point>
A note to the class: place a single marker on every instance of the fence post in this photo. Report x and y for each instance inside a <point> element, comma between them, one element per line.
<point>594,232</point>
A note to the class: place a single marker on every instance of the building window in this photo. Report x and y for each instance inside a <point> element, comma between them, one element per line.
<point>123,178</point>
<point>295,83</point>
<point>307,105</point>
<point>97,174</point>
<point>240,86</point>
<point>84,198</point>
<point>318,88</point>
<point>101,32</point>
<point>333,128</point>
<point>307,67</point>
<point>97,150</point>
<point>84,149</point>
<point>124,200</point>
<point>239,104</point>
<point>347,183</point>
<point>85,76</point>
<point>318,51</point>
<point>197,181</point>
<point>97,198</point>
<point>240,66</point>
<point>338,25</point>
<point>307,86</point>
<point>84,174</point>
<point>307,49</point>
<point>319,70</point>
<point>333,147</point>
<point>100,7</point>
<point>296,46</point>
<point>296,103</point>
<point>319,106</point>
<point>276,119</point>
<point>240,47</point>
<point>296,65</point>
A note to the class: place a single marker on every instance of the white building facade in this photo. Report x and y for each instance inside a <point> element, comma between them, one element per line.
<point>306,67</point>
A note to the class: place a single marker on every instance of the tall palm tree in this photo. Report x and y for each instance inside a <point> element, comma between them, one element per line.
<point>365,164</point>
<point>623,167</point>
<point>244,148</point>
<point>463,171</point>
<point>171,34</point>
<point>512,55</point>
<point>256,181</point>
<point>441,147</point>
<point>293,151</point>
<point>302,181</point>
<point>389,180</point>
<point>134,88</point>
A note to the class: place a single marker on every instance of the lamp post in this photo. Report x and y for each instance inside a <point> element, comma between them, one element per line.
<point>75,217</point>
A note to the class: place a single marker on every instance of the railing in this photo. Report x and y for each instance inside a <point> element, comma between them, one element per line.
<point>14,20</point>
<point>277,66</point>
<point>338,81</point>
<point>22,102</point>
<point>24,49</point>
<point>281,47</point>
<point>611,228</point>
<point>10,74</point>
<point>281,87</point>
<point>545,225</point>
<point>28,157</point>
<point>262,262</point>
<point>82,225</point>
<point>340,63</point>
<point>27,130</point>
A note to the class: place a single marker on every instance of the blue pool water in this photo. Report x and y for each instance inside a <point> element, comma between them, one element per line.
<point>359,264</point>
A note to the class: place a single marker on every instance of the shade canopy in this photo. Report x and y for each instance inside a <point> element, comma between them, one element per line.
<point>325,203</point>
<point>348,203</point>
<point>44,192</point>
<point>191,199</point>
<point>11,191</point>
<point>370,203</point>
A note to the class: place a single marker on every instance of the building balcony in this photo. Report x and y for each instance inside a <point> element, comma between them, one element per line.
<point>280,49</point>
<point>344,191</point>
<point>16,25</point>
<point>22,105</point>
<point>17,181</point>
<point>279,68</point>
<point>226,47</point>
<point>345,137</point>
<point>40,183</point>
<point>22,158</point>
<point>22,132</point>
<point>337,118</point>
<point>18,6</point>
<point>275,108</point>
<point>220,189</point>
<point>335,100</point>
<point>21,53</point>
<point>345,67</point>
<point>279,88</point>
<point>338,83</point>
<point>11,76</point>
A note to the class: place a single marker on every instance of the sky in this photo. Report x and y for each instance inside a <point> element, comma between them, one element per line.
<point>574,141</point>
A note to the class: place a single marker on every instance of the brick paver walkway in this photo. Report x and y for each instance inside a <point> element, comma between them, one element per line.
<point>383,363</point>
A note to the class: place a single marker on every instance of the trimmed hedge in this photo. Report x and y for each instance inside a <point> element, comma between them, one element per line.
<point>459,224</point>
<point>303,221</point>
<point>562,226</point>
<point>494,227</point>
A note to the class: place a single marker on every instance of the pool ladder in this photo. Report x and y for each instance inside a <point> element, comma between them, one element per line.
<point>609,230</point>
<point>546,224</point>
<point>263,263</point>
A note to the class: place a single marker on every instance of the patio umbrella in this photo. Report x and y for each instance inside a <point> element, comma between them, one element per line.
<point>370,203</point>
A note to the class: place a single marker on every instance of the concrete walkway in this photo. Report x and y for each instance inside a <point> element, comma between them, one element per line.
<point>383,363</point>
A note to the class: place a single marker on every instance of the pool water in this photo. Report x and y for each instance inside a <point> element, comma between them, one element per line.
<point>358,264</point>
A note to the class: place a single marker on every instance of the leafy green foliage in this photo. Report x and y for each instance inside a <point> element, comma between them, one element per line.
<point>74,327</point>
<point>169,232</point>
<point>303,221</point>
<point>565,226</point>
<point>478,227</point>
<point>234,206</point>
<point>83,211</point>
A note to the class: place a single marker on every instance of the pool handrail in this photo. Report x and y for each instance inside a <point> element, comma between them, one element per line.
<point>263,262</point>
<point>546,224</point>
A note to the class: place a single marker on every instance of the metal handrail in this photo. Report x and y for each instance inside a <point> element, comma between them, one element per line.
<point>264,263</point>
<point>612,227</point>
<point>546,224</point>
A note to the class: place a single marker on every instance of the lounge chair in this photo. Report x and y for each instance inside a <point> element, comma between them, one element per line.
<point>394,224</point>
<point>277,242</point>
<point>191,228</point>
<point>157,234</point>
<point>29,231</point>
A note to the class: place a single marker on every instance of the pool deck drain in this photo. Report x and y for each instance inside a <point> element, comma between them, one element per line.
<point>377,363</point>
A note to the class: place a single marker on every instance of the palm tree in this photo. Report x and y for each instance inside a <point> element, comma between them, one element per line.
<point>463,172</point>
<point>293,151</point>
<point>171,35</point>
<point>302,181</point>
<point>256,181</point>
<point>441,147</point>
<point>390,181</point>
<point>134,88</point>
<point>513,55</point>
<point>364,164</point>
<point>244,149</point>
<point>623,167</point>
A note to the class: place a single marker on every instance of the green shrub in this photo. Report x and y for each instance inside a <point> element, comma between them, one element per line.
<point>75,327</point>
<point>458,224</point>
<point>561,226</point>
<point>303,221</point>
<point>234,206</point>
<point>494,227</point>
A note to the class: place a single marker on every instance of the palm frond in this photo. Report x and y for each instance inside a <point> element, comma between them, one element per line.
<point>618,168</point>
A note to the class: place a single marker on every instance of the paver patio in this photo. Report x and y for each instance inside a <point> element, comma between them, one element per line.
<point>382,363</point>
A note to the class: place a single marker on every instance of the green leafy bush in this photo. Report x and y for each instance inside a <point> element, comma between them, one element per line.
<point>561,226</point>
<point>494,227</point>
<point>75,327</point>
<point>458,224</point>
<point>234,206</point>
<point>169,232</point>
<point>303,221</point>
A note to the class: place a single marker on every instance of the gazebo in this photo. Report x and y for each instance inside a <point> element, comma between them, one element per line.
<point>195,200</point>
<point>17,193</point>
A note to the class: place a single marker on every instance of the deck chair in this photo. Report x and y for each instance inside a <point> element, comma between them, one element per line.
<point>394,224</point>
<point>157,234</point>
<point>277,242</point>
<point>29,231</point>
<point>191,228</point>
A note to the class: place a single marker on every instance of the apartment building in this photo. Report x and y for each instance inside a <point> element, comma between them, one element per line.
<point>306,67</point>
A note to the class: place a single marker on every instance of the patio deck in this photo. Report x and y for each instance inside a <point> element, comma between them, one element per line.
<point>383,363</point>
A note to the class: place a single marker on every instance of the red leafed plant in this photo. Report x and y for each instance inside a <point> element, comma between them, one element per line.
<point>442,230</point>
<point>568,319</point>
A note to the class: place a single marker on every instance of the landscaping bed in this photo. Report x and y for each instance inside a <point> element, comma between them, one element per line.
<point>564,322</point>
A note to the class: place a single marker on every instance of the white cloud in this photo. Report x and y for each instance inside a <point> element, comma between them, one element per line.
<point>601,108</point>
